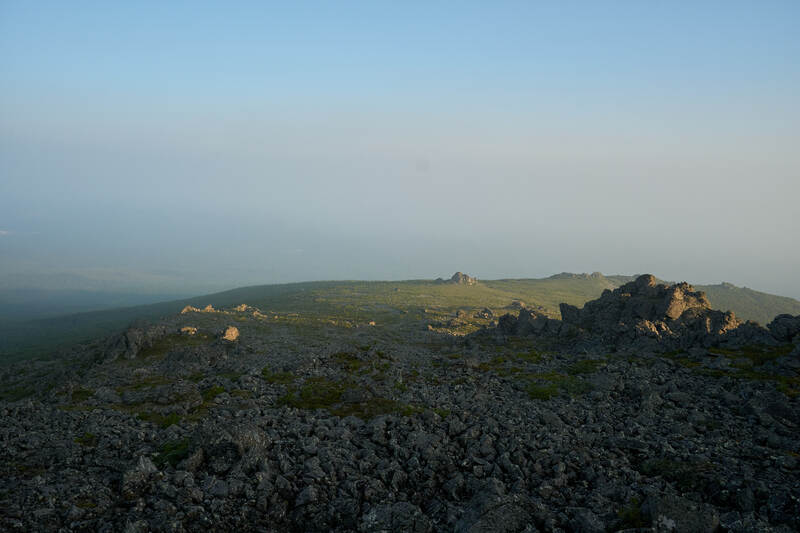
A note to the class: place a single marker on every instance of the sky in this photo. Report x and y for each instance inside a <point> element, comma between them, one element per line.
<point>191,146</point>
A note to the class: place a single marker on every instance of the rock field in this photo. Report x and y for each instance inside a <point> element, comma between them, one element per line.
<point>643,411</point>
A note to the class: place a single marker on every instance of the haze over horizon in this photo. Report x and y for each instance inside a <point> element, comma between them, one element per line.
<point>166,147</point>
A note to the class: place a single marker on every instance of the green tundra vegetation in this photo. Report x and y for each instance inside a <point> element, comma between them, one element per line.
<point>349,303</point>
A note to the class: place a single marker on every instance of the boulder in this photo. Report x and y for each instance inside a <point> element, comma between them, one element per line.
<point>785,327</point>
<point>128,344</point>
<point>231,334</point>
<point>135,479</point>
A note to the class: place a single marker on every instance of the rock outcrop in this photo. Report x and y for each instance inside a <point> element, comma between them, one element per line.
<point>646,315</point>
<point>137,338</point>
<point>231,334</point>
<point>191,309</point>
<point>459,278</point>
<point>785,328</point>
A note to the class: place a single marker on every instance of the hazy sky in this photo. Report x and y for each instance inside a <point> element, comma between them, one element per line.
<point>199,144</point>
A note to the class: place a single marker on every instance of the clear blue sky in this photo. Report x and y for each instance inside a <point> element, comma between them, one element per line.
<point>211,144</point>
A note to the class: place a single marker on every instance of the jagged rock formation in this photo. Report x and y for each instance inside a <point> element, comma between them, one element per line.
<point>459,278</point>
<point>128,344</point>
<point>191,309</point>
<point>643,314</point>
<point>529,323</point>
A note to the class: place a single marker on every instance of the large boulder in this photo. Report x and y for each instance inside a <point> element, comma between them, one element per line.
<point>785,327</point>
<point>529,323</point>
<point>231,334</point>
<point>129,344</point>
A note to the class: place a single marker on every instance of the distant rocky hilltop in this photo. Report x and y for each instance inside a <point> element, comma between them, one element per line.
<point>459,278</point>
<point>657,317</point>
<point>570,275</point>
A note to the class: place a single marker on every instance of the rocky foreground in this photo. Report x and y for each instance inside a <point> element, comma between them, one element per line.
<point>645,410</point>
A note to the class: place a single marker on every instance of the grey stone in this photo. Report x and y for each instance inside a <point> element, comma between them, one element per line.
<point>672,513</point>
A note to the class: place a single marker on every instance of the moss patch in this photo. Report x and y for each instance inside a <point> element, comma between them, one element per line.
<point>754,355</point>
<point>28,470</point>
<point>279,378</point>
<point>543,386</point>
<point>212,392</point>
<point>790,386</point>
<point>537,391</point>
<point>87,439</point>
<point>163,421</point>
<point>630,516</point>
<point>322,393</point>
<point>172,452</point>
<point>531,356</point>
<point>172,342</point>
<point>585,366</point>
<point>314,393</point>
<point>12,394</point>
<point>80,395</point>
